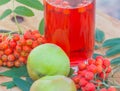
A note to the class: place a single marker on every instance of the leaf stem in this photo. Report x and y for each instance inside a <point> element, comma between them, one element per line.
<point>16,22</point>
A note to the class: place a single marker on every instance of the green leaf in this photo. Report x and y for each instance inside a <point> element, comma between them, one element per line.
<point>71,72</point>
<point>2,2</point>
<point>22,84</point>
<point>24,11</point>
<point>36,4</point>
<point>16,72</point>
<point>96,54</point>
<point>5,13</point>
<point>113,51</point>
<point>111,42</point>
<point>115,61</point>
<point>99,36</point>
<point>9,84</point>
<point>41,26</point>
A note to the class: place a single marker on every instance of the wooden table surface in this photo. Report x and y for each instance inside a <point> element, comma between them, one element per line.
<point>109,25</point>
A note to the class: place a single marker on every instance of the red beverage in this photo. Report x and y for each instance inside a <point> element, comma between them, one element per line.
<point>70,24</point>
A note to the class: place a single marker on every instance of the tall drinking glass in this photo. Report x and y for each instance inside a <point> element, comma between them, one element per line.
<point>70,24</point>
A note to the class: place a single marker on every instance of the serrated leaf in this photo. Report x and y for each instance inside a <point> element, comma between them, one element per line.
<point>22,84</point>
<point>115,61</point>
<point>96,54</point>
<point>24,11</point>
<point>36,4</point>
<point>9,84</point>
<point>113,51</point>
<point>99,36</point>
<point>16,72</point>
<point>2,2</point>
<point>5,13</point>
<point>111,42</point>
<point>41,27</point>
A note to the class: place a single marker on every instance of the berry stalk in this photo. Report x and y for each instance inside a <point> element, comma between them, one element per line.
<point>16,22</point>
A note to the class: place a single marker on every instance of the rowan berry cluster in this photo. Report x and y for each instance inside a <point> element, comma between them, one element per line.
<point>91,75</point>
<point>15,48</point>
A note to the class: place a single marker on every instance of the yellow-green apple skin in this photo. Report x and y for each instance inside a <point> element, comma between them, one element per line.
<point>53,83</point>
<point>47,59</point>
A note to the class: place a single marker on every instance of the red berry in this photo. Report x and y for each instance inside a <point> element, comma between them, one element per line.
<point>106,62</point>
<point>11,57</point>
<point>8,51</point>
<point>1,53</point>
<point>16,54</point>
<point>99,69</point>
<point>40,40</point>
<point>89,75</point>
<point>83,73</point>
<point>83,89</point>
<point>4,58</point>
<point>82,66</point>
<point>35,44</point>
<point>99,61</point>
<point>99,57</point>
<point>76,79</point>
<point>28,34</point>
<point>92,68</point>
<point>111,89</point>
<point>83,82</point>
<point>17,63</point>
<point>79,72</point>
<point>77,86</point>
<point>22,42</point>
<point>103,89</point>
<point>12,44</point>
<point>10,64</point>
<point>24,54</point>
<point>0,40</point>
<point>37,35</point>
<point>43,40</point>
<point>16,37</point>
<point>4,45</point>
<point>4,37</point>
<point>22,59</point>
<point>26,48</point>
<point>18,48</point>
<point>4,63</point>
<point>1,47</point>
<point>90,87</point>
<point>91,61</point>
<point>1,62</point>
<point>104,67</point>
<point>35,31</point>
<point>108,69</point>
<point>29,42</point>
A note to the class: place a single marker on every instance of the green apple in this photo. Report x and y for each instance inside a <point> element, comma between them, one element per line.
<point>47,59</point>
<point>53,83</point>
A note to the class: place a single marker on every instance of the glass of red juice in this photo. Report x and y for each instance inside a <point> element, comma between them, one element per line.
<point>71,24</point>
